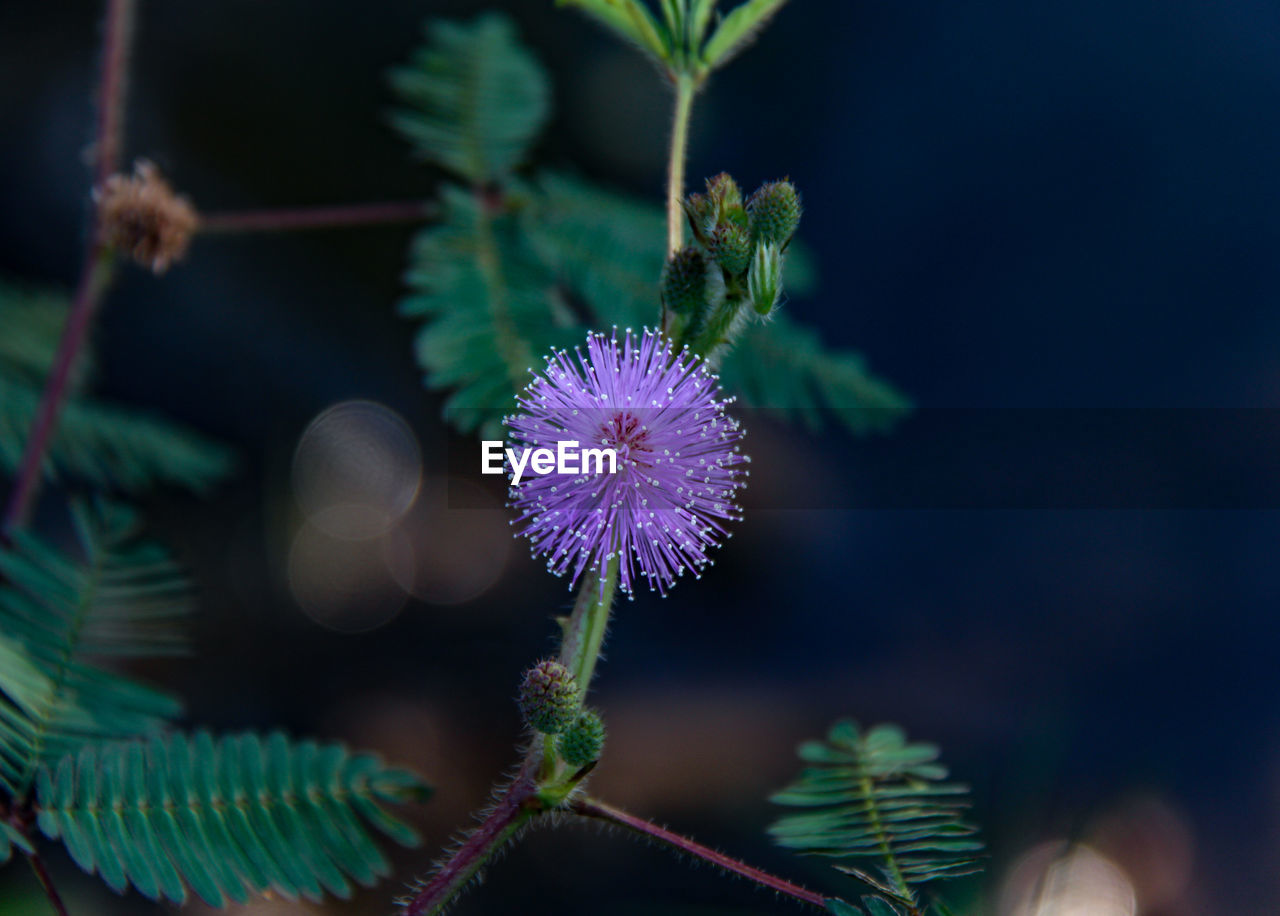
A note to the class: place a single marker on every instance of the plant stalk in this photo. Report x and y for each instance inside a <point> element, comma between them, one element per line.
<point>316,217</point>
<point>685,89</point>
<point>117,44</point>
<point>95,275</point>
<point>46,883</point>
<point>511,813</point>
<point>584,632</point>
<point>593,808</point>
<point>94,279</point>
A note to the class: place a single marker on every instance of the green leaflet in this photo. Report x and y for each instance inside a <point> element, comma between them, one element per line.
<point>110,446</point>
<point>228,818</point>
<point>490,309</point>
<point>736,31</point>
<point>60,615</point>
<point>32,320</point>
<point>875,799</point>
<point>785,365</point>
<point>476,99</point>
<point>631,21</point>
<point>606,249</point>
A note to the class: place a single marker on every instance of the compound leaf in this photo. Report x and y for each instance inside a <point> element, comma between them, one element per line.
<point>227,818</point>
<point>875,799</point>
<point>489,308</point>
<point>108,446</point>
<point>475,97</point>
<point>785,365</point>
<point>61,616</point>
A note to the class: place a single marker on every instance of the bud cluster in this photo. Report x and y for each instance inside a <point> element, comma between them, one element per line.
<point>551,703</point>
<point>736,258</point>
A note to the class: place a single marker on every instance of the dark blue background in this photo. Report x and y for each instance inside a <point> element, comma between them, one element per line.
<point>1012,205</point>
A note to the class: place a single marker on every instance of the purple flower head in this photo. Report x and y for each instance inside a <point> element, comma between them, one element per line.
<point>678,464</point>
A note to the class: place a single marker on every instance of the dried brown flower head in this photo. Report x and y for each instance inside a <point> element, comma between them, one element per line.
<point>142,217</point>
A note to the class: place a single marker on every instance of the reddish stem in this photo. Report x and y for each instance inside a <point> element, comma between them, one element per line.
<point>589,807</point>
<point>317,217</point>
<point>94,275</point>
<point>499,825</point>
<point>46,882</point>
<point>93,280</point>
<point>117,41</point>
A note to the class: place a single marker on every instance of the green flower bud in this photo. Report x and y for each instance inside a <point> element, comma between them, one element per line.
<point>582,742</point>
<point>724,193</point>
<point>774,211</point>
<point>549,697</point>
<point>730,245</point>
<point>684,281</point>
<point>702,215</point>
<point>764,279</point>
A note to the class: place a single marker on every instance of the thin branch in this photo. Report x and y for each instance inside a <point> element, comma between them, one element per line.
<point>408,211</point>
<point>94,275</point>
<point>93,281</point>
<point>512,810</point>
<point>46,883</point>
<point>117,43</point>
<point>590,807</point>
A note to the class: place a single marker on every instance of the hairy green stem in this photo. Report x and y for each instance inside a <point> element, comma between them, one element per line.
<point>580,648</point>
<point>593,808</point>
<point>407,211</point>
<point>585,629</point>
<point>685,90</point>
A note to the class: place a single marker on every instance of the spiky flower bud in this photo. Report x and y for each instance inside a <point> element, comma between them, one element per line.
<point>143,218</point>
<point>684,281</point>
<point>549,697</point>
<point>582,742</point>
<point>764,280</point>
<point>774,211</point>
<point>730,245</point>
<point>724,192</point>
<point>702,215</point>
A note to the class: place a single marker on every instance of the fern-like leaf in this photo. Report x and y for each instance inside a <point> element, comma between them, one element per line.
<point>476,99</point>
<point>785,365</point>
<point>606,249</point>
<point>33,320</point>
<point>108,446</point>
<point>61,616</point>
<point>881,800</point>
<point>489,307</point>
<point>510,273</point>
<point>228,818</point>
